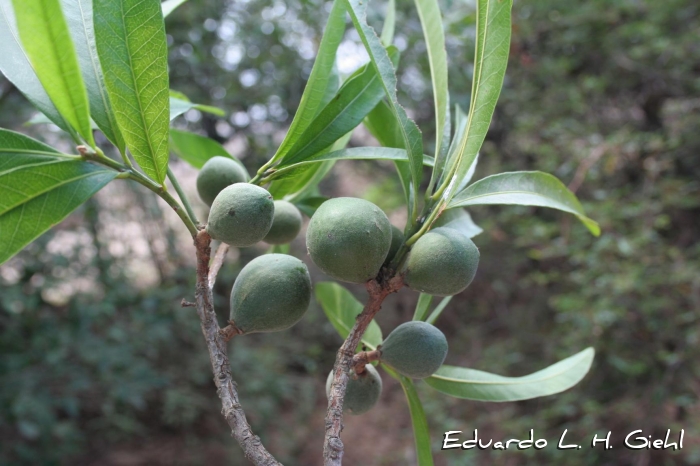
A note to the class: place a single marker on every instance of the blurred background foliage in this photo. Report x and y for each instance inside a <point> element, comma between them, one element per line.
<point>100,365</point>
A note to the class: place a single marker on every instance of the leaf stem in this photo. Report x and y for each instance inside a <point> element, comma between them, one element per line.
<point>183,197</point>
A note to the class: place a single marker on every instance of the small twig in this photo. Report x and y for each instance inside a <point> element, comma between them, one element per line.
<point>186,303</point>
<point>586,165</point>
<point>360,360</point>
<point>230,331</point>
<point>252,447</point>
<point>183,197</point>
<point>333,446</point>
<point>217,263</point>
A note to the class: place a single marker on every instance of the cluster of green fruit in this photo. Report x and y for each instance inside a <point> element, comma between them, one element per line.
<point>350,240</point>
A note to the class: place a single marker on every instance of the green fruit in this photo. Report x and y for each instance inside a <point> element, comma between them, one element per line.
<point>361,393</point>
<point>217,173</point>
<point>415,349</point>
<point>397,239</point>
<point>442,262</point>
<point>285,224</point>
<point>349,238</point>
<point>271,293</point>
<point>241,215</point>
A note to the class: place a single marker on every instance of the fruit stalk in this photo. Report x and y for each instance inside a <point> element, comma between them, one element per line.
<point>252,447</point>
<point>378,290</point>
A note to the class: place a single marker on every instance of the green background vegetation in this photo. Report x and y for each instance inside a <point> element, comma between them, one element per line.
<point>100,365</point>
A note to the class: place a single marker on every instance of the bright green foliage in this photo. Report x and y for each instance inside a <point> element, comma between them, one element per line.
<point>46,39</point>
<point>349,238</point>
<point>397,239</point>
<point>460,220</point>
<point>477,385</point>
<point>362,391</point>
<point>443,262</point>
<point>133,53</point>
<point>271,293</point>
<point>241,215</point>
<point>414,349</point>
<point>524,188</point>
<point>216,174</point>
<point>82,29</point>
<point>286,223</point>
<point>40,188</point>
<point>17,68</point>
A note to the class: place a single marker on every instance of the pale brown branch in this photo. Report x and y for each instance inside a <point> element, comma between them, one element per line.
<point>586,165</point>
<point>217,263</point>
<point>333,446</point>
<point>252,447</point>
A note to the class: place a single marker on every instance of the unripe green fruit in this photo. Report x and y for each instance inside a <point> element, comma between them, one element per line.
<point>349,238</point>
<point>217,173</point>
<point>361,393</point>
<point>241,215</point>
<point>271,293</point>
<point>442,262</point>
<point>285,224</point>
<point>397,240</point>
<point>415,349</point>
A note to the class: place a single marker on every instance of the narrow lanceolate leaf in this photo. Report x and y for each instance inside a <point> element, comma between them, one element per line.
<point>79,18</point>
<point>342,308</point>
<point>490,60</point>
<point>321,73</point>
<point>133,54</point>
<point>179,106</point>
<point>422,306</point>
<point>410,134</point>
<point>477,385</point>
<point>47,41</point>
<point>421,432</point>
<point>524,188</point>
<point>431,22</point>
<point>438,310</point>
<point>355,99</point>
<point>168,6</point>
<point>40,188</point>
<point>195,149</point>
<point>389,26</point>
<point>17,68</point>
<point>354,153</point>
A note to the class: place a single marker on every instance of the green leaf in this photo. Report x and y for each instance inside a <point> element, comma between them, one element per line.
<point>17,68</point>
<point>524,188</point>
<point>342,308</point>
<point>321,73</point>
<point>168,6</point>
<point>382,124</point>
<point>482,386</point>
<point>303,179</point>
<point>80,23</point>
<point>355,153</point>
<point>410,134</point>
<point>438,310</point>
<point>493,29</point>
<point>279,249</point>
<point>195,149</point>
<point>460,220</point>
<point>133,53</point>
<point>421,433</point>
<point>431,22</point>
<point>40,188</point>
<point>422,306</point>
<point>389,26</point>
<point>46,39</point>
<point>355,99</point>
<point>178,106</point>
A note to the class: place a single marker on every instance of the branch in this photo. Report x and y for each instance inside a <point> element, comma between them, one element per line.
<point>226,387</point>
<point>378,290</point>
<point>360,360</point>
